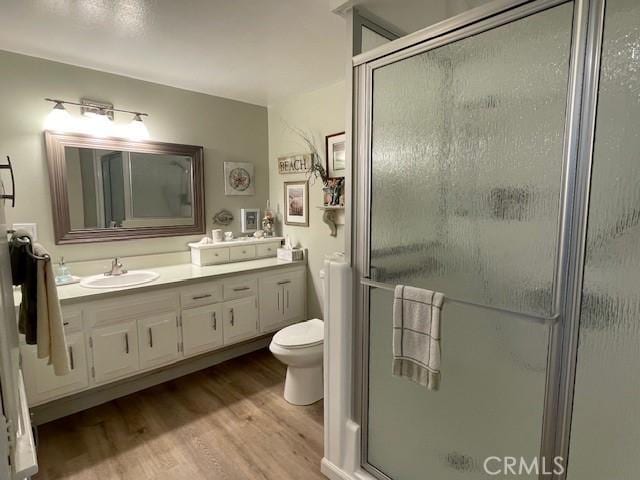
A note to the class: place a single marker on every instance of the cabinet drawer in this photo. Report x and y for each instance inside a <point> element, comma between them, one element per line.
<point>199,295</point>
<point>267,250</point>
<point>214,256</point>
<point>246,252</point>
<point>241,287</point>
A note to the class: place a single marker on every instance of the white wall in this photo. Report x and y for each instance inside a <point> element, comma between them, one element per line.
<point>321,113</point>
<point>228,130</point>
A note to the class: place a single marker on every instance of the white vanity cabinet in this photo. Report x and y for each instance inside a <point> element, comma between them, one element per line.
<point>114,351</point>
<point>41,383</point>
<point>240,319</point>
<point>129,332</point>
<point>282,299</point>
<point>132,333</point>
<point>201,329</point>
<point>158,340</point>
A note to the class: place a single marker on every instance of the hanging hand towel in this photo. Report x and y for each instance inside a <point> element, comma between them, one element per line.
<point>416,335</point>
<point>24,269</point>
<point>52,343</point>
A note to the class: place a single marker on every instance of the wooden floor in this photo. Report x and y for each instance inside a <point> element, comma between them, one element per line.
<point>229,422</point>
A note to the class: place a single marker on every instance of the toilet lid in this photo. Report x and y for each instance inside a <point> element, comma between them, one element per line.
<point>303,334</point>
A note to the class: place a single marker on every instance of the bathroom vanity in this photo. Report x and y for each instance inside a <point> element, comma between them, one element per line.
<point>185,317</point>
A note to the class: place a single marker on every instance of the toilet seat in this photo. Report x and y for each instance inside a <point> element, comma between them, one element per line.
<point>301,335</point>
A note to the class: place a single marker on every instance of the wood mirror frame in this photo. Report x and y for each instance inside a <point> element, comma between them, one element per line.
<point>55,146</point>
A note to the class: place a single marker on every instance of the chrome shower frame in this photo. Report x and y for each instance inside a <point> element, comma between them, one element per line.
<point>586,42</point>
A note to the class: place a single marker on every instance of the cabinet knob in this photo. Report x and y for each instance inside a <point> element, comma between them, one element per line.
<point>233,320</point>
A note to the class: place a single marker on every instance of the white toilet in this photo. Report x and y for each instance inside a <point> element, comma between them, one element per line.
<point>300,347</point>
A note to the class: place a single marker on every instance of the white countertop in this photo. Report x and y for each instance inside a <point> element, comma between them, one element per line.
<point>170,275</point>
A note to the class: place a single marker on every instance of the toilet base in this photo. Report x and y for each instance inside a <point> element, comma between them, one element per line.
<point>303,385</point>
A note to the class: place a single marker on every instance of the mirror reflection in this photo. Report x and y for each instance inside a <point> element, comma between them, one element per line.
<point>110,189</point>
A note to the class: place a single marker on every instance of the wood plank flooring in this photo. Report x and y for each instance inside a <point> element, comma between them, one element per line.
<point>229,422</point>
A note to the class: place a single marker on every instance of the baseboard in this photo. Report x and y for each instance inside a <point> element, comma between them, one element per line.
<point>333,472</point>
<point>105,393</point>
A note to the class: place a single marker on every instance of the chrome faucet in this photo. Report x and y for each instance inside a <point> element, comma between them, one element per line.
<point>116,268</point>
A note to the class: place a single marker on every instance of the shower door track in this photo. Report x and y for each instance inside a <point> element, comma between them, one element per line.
<point>586,40</point>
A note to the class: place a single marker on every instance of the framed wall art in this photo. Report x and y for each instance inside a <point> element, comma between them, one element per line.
<point>239,178</point>
<point>296,201</point>
<point>336,154</point>
<point>249,219</point>
<point>297,163</point>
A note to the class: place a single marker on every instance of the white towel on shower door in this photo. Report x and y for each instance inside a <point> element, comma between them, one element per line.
<point>416,335</point>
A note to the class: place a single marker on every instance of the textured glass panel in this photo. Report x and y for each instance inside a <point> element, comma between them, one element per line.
<point>467,147</point>
<point>490,401</point>
<point>605,434</point>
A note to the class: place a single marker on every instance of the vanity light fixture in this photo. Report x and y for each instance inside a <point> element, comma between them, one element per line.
<point>58,119</point>
<point>137,130</point>
<point>98,122</point>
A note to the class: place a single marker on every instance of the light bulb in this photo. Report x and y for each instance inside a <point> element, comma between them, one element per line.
<point>137,129</point>
<point>58,119</point>
<point>98,124</point>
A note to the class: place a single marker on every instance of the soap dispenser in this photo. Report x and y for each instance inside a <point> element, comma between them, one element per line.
<point>64,274</point>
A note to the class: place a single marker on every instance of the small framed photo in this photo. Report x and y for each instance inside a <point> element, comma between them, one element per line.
<point>249,219</point>
<point>239,178</point>
<point>336,154</point>
<point>296,201</point>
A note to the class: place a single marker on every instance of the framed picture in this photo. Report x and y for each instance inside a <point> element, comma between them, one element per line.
<point>249,219</point>
<point>239,178</point>
<point>336,154</point>
<point>296,201</point>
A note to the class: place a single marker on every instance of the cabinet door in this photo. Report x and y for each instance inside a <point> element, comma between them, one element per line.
<point>201,329</point>
<point>294,299</point>
<point>271,303</point>
<point>40,381</point>
<point>158,338</point>
<point>115,351</point>
<point>240,319</point>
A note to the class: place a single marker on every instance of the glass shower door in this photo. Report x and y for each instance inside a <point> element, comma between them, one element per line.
<point>466,180</point>
<point>605,430</point>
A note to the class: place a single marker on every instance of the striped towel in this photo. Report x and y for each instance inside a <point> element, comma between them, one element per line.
<point>416,335</point>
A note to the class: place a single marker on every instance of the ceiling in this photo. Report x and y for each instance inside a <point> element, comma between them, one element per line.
<point>256,51</point>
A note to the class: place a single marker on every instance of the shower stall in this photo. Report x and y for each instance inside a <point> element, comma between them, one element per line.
<point>497,160</point>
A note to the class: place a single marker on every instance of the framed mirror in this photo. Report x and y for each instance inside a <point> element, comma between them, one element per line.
<point>115,189</point>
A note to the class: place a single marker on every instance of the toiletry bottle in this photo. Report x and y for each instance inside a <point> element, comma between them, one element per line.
<point>64,274</point>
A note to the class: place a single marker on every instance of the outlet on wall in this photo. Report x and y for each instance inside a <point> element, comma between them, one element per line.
<point>32,228</point>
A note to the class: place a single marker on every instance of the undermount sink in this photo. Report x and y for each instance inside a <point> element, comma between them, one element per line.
<point>129,279</point>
